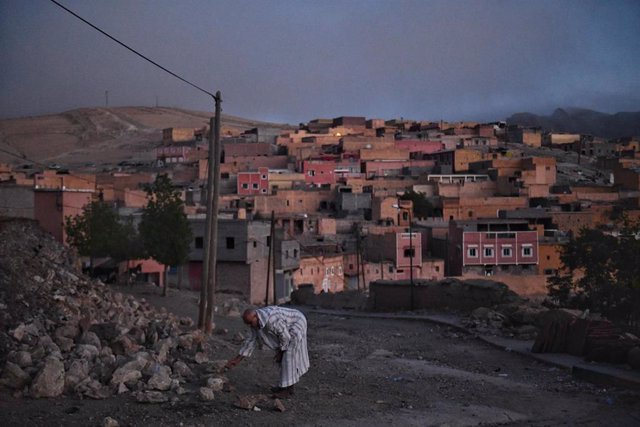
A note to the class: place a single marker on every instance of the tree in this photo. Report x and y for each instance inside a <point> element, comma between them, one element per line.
<point>164,227</point>
<point>422,207</point>
<point>609,264</point>
<point>96,232</point>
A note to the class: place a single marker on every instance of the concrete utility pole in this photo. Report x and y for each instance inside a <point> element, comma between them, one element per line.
<point>207,289</point>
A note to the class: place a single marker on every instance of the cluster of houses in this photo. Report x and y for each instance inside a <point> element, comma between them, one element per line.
<point>348,195</point>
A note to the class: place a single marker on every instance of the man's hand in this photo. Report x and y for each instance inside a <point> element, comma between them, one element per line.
<point>278,357</point>
<point>232,363</point>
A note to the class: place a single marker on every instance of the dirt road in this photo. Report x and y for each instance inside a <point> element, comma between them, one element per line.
<point>365,372</point>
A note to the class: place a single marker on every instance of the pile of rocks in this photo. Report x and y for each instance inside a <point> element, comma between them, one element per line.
<point>62,333</point>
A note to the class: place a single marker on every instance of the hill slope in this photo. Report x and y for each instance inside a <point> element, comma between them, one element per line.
<point>579,120</point>
<point>103,134</point>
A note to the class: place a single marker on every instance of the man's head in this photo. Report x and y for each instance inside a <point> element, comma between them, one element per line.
<point>250,317</point>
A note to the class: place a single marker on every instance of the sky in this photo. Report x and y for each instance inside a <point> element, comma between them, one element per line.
<point>295,60</point>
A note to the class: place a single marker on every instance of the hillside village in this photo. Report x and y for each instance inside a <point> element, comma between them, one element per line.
<point>355,200</point>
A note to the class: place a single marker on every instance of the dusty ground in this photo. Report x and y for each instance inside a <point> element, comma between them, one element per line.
<point>364,372</point>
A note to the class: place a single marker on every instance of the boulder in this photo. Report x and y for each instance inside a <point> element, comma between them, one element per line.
<point>14,377</point>
<point>182,369</point>
<point>110,422</point>
<point>50,380</point>
<point>128,373</point>
<point>21,358</point>
<point>87,352</point>
<point>92,389</point>
<point>206,394</point>
<point>90,338</point>
<point>78,371</point>
<point>215,383</point>
<point>160,380</point>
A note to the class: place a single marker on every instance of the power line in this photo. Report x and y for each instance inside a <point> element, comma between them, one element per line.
<point>133,50</point>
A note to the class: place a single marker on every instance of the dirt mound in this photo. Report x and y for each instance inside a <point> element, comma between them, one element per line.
<point>61,332</point>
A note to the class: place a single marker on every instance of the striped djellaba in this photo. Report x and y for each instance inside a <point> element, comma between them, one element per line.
<point>283,329</point>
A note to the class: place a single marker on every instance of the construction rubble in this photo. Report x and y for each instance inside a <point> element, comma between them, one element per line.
<point>64,334</point>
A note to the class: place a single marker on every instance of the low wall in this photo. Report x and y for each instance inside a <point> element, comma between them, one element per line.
<point>448,294</point>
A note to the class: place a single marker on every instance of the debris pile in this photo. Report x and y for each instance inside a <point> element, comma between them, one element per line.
<point>580,334</point>
<point>62,333</point>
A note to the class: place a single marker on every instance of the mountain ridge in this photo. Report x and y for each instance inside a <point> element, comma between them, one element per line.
<point>582,120</point>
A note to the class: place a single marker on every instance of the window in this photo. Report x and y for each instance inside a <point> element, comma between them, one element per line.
<point>470,214</point>
<point>488,251</point>
<point>255,185</point>
<point>391,269</point>
<point>437,268</point>
<point>286,254</point>
<point>255,244</point>
<point>224,175</point>
<point>506,252</point>
<point>263,176</point>
<point>263,191</point>
<point>472,253</point>
<point>295,253</point>
<point>268,241</point>
<point>409,252</point>
<point>527,251</point>
<point>199,242</point>
<point>245,185</point>
<point>311,173</point>
<point>231,242</point>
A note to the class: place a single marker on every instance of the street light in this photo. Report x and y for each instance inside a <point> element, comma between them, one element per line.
<point>411,251</point>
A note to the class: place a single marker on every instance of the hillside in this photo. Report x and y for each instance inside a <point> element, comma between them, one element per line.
<point>578,120</point>
<point>103,135</point>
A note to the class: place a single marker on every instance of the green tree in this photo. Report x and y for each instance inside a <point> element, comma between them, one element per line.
<point>96,232</point>
<point>422,207</point>
<point>609,267</point>
<point>164,227</point>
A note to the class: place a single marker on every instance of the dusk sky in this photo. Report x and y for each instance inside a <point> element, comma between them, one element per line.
<point>292,61</point>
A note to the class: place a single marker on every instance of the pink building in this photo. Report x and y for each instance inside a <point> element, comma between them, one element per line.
<point>252,183</point>
<point>173,153</point>
<point>51,207</point>
<point>319,172</point>
<point>492,246</point>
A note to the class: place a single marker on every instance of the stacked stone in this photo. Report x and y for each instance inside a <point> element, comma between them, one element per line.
<point>63,333</point>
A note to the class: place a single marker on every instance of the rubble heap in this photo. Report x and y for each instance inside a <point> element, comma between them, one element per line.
<point>62,333</point>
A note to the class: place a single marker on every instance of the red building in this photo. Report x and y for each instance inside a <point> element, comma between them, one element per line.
<point>252,183</point>
<point>491,246</point>
<point>319,172</point>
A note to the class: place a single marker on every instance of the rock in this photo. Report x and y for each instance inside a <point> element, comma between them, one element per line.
<point>87,352</point>
<point>186,321</point>
<point>67,331</point>
<point>90,338</point>
<point>124,345</point>
<point>50,380</point>
<point>14,377</point>
<point>122,388</point>
<point>65,344</point>
<point>201,358</point>
<point>185,341</point>
<point>110,422</point>
<point>160,380</point>
<point>107,331</point>
<point>180,391</point>
<point>137,335</point>
<point>182,369</point>
<point>278,405</point>
<point>633,358</point>
<point>93,389</point>
<point>249,401</point>
<point>21,358</point>
<point>19,332</point>
<point>163,347</point>
<point>47,343</point>
<point>206,393</point>
<point>78,371</point>
<point>215,383</point>
<point>128,373</point>
<point>151,397</point>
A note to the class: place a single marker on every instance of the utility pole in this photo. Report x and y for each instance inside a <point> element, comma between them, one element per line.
<point>271,245</point>
<point>207,290</point>
<point>273,259</point>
